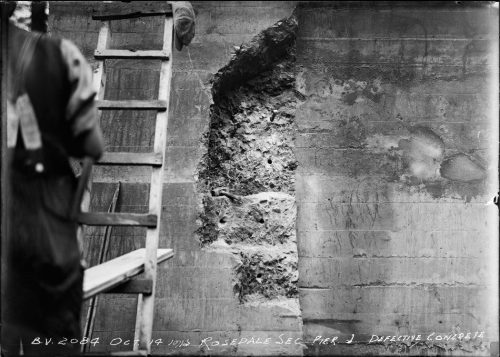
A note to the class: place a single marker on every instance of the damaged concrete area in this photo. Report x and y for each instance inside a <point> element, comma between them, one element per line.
<point>247,176</point>
<point>426,160</point>
<point>433,150</point>
<point>267,274</point>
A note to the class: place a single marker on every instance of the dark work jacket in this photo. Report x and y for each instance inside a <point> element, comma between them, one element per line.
<point>42,282</point>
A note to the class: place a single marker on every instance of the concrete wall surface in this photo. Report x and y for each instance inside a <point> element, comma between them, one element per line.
<point>397,151</point>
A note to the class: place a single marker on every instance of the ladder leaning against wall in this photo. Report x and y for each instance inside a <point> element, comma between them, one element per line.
<point>119,275</point>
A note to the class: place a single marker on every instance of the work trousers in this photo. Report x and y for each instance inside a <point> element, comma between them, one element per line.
<point>42,274</point>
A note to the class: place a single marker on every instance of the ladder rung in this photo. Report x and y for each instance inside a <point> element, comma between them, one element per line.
<point>149,54</point>
<point>161,105</point>
<point>134,286</point>
<point>131,158</point>
<point>105,276</point>
<point>117,10</point>
<point>118,219</point>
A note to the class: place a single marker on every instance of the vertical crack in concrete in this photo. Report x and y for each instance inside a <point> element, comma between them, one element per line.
<point>247,177</point>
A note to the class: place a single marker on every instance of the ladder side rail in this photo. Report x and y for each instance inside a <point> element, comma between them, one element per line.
<point>4,173</point>
<point>145,303</point>
<point>99,83</point>
<point>100,74</point>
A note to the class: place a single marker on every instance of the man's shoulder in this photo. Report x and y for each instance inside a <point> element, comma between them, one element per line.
<point>45,39</point>
<point>47,46</point>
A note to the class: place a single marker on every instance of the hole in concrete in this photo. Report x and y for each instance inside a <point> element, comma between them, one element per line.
<point>258,83</point>
<point>272,117</point>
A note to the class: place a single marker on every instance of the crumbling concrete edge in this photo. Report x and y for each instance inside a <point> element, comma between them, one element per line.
<point>261,52</point>
<point>268,47</point>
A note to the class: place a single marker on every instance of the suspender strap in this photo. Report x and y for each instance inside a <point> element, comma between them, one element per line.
<point>23,62</point>
<point>29,125</point>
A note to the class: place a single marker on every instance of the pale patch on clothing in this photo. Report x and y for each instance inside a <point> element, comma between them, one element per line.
<point>22,114</point>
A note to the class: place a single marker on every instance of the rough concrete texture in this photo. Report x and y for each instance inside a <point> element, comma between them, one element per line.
<point>247,175</point>
<point>259,55</point>
<point>266,217</point>
<point>268,274</point>
<point>251,126</point>
<point>395,169</point>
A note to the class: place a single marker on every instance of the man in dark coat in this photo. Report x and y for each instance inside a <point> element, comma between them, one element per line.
<point>51,116</point>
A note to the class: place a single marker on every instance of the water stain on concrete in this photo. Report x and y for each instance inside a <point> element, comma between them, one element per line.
<point>422,153</point>
<point>425,163</point>
<point>461,167</point>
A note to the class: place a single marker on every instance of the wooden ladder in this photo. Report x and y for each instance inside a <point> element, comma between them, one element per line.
<point>116,275</point>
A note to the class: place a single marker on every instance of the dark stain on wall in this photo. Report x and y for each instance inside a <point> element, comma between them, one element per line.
<point>426,163</point>
<point>461,167</point>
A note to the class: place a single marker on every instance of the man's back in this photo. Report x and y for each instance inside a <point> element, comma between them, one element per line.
<point>43,287</point>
